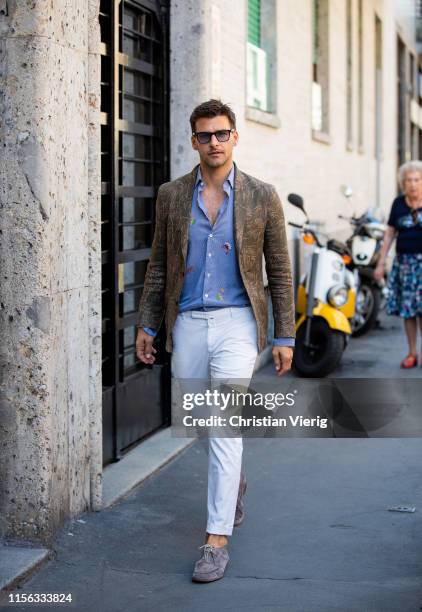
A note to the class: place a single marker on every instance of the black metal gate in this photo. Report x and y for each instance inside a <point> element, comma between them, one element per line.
<point>134,155</point>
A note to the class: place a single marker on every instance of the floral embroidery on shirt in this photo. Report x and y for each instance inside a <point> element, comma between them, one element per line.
<point>189,270</point>
<point>192,221</point>
<point>219,295</point>
<point>227,247</point>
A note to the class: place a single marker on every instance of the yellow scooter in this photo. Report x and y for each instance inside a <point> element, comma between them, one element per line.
<point>325,303</point>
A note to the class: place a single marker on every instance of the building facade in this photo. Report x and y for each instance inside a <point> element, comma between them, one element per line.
<point>95,100</point>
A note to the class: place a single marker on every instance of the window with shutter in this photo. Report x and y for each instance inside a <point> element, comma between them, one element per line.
<point>320,63</point>
<point>254,22</point>
<point>261,62</point>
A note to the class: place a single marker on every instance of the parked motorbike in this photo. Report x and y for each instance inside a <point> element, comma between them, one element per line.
<point>325,303</point>
<point>365,245</point>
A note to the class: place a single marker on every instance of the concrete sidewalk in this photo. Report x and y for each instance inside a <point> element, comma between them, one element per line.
<point>317,536</point>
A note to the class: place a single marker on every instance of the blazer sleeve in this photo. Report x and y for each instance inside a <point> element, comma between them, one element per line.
<point>151,305</point>
<point>278,268</point>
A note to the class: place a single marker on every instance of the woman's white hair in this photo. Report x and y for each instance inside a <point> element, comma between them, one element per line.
<point>411,166</point>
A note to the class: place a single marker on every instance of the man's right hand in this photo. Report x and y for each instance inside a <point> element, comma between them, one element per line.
<point>144,349</point>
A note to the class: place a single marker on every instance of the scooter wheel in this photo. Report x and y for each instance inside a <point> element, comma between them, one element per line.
<point>369,304</point>
<point>324,353</point>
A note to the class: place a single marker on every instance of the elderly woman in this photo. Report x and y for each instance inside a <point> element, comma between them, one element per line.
<point>405,280</point>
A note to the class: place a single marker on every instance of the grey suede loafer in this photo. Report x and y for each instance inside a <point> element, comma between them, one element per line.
<point>212,564</point>
<point>240,506</point>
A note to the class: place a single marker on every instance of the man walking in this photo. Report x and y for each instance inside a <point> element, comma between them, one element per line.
<point>205,279</point>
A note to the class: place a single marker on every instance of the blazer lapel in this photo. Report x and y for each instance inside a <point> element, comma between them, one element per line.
<point>185,208</point>
<point>240,203</point>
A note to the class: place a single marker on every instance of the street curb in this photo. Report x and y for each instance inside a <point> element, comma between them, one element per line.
<point>143,461</point>
<point>17,563</point>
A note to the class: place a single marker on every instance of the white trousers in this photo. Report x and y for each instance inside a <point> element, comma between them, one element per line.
<point>211,345</point>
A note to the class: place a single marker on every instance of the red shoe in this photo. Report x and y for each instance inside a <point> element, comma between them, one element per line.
<point>409,362</point>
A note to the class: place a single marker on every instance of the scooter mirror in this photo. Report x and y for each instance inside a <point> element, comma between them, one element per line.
<point>296,200</point>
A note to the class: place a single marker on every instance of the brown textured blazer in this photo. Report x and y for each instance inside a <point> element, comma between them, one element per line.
<point>259,228</point>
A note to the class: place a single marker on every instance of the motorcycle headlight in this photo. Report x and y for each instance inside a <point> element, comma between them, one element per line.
<point>337,296</point>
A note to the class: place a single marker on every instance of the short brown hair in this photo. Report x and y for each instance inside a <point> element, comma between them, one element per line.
<point>212,108</point>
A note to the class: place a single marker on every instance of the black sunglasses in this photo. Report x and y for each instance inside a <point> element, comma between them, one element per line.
<point>205,137</point>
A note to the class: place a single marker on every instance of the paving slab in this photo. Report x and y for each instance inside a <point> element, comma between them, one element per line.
<point>138,464</point>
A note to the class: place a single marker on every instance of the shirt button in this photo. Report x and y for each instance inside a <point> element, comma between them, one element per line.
<point>206,294</point>
<point>208,274</point>
<point>209,254</point>
<point>210,236</point>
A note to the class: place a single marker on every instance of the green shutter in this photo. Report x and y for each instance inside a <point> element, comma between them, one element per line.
<point>254,22</point>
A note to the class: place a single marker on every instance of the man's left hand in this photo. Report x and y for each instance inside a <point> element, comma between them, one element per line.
<point>282,356</point>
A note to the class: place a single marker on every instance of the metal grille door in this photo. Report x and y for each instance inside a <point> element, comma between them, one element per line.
<point>134,145</point>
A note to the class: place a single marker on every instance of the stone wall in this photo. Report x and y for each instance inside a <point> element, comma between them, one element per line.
<point>50,426</point>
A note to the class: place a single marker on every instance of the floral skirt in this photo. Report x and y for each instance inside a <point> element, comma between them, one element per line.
<point>405,286</point>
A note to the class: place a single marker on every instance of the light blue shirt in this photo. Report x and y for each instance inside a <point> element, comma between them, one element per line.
<point>212,276</point>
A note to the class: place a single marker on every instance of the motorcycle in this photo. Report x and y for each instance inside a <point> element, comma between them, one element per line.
<point>325,303</point>
<point>365,245</point>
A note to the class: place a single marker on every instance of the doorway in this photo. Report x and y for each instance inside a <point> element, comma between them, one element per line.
<point>134,162</point>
